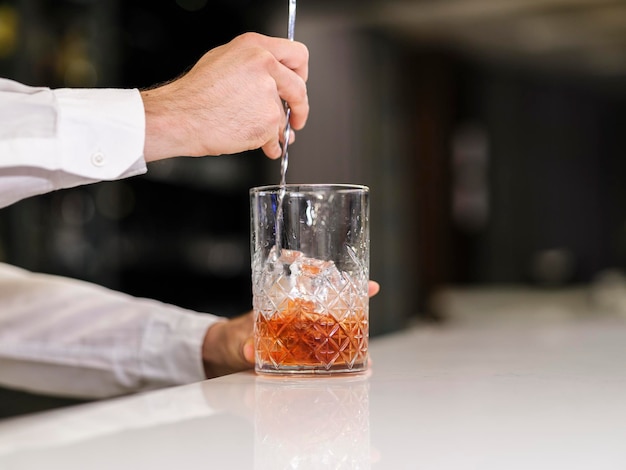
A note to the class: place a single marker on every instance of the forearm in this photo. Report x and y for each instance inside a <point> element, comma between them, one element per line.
<point>66,337</point>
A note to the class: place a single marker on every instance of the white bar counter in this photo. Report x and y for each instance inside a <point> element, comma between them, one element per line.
<point>513,381</point>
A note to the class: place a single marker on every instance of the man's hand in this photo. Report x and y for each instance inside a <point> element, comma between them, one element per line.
<point>230,100</point>
<point>229,347</point>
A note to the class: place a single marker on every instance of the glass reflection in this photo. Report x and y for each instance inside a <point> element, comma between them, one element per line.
<point>312,423</point>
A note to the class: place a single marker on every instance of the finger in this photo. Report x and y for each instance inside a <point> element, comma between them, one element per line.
<point>292,137</point>
<point>373,288</point>
<point>248,350</point>
<point>291,54</point>
<point>291,89</point>
<point>272,149</point>
<point>299,118</point>
<point>275,152</point>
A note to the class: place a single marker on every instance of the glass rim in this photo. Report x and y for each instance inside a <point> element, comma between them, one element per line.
<point>299,188</point>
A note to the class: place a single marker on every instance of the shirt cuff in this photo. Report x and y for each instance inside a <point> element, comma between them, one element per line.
<point>171,350</point>
<point>111,126</point>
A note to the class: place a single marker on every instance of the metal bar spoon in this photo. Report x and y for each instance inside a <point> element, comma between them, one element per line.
<point>285,156</point>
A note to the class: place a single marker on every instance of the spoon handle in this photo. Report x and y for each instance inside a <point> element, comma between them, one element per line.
<point>284,158</point>
<point>292,20</point>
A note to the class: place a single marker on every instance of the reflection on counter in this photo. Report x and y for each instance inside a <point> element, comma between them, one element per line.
<point>312,423</point>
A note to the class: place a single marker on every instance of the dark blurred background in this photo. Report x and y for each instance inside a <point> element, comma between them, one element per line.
<point>492,134</point>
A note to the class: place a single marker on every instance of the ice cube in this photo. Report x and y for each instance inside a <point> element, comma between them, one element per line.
<point>314,278</point>
<point>289,274</point>
<point>283,256</point>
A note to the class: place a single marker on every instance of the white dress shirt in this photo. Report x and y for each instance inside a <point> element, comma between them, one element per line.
<point>68,337</point>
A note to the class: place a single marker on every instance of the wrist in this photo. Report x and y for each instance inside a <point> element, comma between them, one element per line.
<point>212,355</point>
<point>160,127</point>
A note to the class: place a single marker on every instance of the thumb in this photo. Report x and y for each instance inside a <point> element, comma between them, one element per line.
<point>248,350</point>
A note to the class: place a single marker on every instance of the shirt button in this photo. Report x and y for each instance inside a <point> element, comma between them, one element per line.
<point>98,159</point>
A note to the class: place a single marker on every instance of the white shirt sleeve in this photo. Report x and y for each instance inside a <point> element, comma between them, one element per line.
<point>67,337</point>
<point>53,139</point>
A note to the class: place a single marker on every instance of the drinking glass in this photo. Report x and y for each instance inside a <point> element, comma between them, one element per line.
<point>310,272</point>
